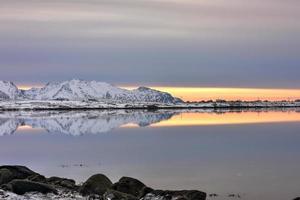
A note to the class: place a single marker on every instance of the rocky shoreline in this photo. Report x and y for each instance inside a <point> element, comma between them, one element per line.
<point>19,182</point>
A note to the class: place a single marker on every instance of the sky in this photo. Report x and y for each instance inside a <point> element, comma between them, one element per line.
<point>186,43</point>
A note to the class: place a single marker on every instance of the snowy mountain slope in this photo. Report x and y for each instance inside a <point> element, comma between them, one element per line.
<point>8,90</point>
<point>149,95</point>
<point>93,90</point>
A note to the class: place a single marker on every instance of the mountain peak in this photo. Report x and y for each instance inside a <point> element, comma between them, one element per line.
<point>143,88</point>
<point>8,90</point>
<point>80,90</point>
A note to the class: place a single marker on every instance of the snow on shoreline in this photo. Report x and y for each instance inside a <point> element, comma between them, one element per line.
<point>69,105</point>
<point>38,196</point>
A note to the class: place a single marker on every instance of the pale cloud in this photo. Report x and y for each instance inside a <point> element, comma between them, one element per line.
<point>192,42</point>
<point>191,19</point>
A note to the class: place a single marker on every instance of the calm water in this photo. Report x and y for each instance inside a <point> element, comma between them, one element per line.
<point>252,153</point>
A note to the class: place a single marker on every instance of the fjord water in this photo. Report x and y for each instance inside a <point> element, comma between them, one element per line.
<point>253,153</point>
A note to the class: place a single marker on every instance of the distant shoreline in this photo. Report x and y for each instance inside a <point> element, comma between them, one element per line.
<point>97,105</point>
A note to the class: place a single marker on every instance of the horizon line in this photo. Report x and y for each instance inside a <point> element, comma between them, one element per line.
<point>188,93</point>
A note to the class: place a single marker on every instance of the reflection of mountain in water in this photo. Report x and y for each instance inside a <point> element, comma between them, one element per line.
<point>79,123</point>
<point>94,122</point>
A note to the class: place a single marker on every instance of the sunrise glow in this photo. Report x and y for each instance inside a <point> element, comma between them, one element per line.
<point>28,86</point>
<point>247,94</point>
<point>211,93</point>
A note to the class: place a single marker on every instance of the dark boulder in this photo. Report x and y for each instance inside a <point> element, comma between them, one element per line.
<point>298,198</point>
<point>194,195</point>
<point>97,184</point>
<point>116,195</point>
<point>21,187</point>
<point>9,173</point>
<point>62,182</point>
<point>144,191</point>
<point>37,178</point>
<point>130,186</point>
<point>184,194</point>
<point>5,176</point>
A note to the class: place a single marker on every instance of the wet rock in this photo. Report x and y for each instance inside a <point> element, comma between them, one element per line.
<point>181,198</point>
<point>130,186</point>
<point>97,184</point>
<point>9,173</point>
<point>116,195</point>
<point>21,187</point>
<point>194,195</point>
<point>5,176</point>
<point>37,178</point>
<point>144,191</point>
<point>184,194</point>
<point>62,182</point>
<point>21,180</point>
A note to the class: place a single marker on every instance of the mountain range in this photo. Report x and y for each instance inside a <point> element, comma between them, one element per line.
<point>79,90</point>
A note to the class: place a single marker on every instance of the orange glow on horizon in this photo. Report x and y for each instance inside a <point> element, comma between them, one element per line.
<point>211,93</point>
<point>27,87</point>
<point>246,94</point>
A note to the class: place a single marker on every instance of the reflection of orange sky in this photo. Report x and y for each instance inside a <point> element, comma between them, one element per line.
<point>209,119</point>
<point>24,127</point>
<point>203,119</point>
<point>29,129</point>
<point>199,93</point>
<point>198,119</point>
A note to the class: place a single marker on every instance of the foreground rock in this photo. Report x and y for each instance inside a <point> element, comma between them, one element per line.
<point>117,195</point>
<point>97,184</point>
<point>62,182</point>
<point>24,186</point>
<point>9,173</point>
<point>19,180</point>
<point>131,186</point>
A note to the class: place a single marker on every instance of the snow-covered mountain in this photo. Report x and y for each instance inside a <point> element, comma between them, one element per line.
<point>8,90</point>
<point>85,90</point>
